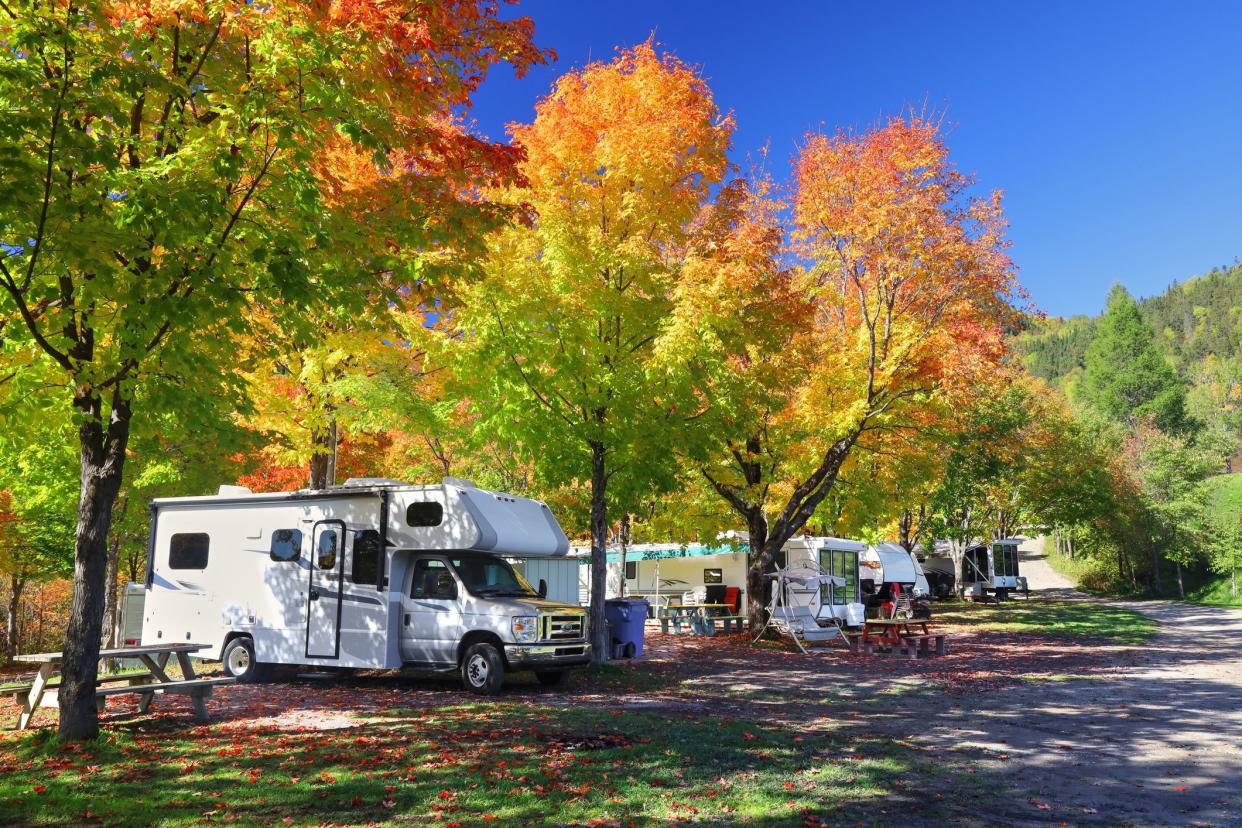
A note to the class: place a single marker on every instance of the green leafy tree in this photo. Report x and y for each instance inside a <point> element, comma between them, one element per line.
<point>1126,376</point>
<point>562,333</point>
<point>165,165</point>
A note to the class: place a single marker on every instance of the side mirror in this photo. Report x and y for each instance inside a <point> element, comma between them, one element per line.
<point>543,588</point>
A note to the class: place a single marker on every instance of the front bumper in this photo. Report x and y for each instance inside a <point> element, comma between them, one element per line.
<point>540,656</point>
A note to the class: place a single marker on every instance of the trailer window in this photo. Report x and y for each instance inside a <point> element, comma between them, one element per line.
<point>424,514</point>
<point>326,558</point>
<point>366,558</point>
<point>713,576</point>
<point>631,570</point>
<point>844,564</point>
<point>286,545</point>
<point>188,551</point>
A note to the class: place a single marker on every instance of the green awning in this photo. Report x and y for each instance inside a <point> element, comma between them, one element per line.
<point>692,550</point>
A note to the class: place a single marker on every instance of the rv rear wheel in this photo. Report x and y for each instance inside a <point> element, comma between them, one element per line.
<point>550,678</point>
<point>240,663</point>
<point>482,669</point>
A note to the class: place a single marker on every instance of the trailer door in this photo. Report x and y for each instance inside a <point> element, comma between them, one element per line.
<point>323,598</point>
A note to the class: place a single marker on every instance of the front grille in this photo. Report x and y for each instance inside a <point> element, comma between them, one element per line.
<point>568,627</point>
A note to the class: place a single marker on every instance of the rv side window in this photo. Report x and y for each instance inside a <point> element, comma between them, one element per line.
<point>366,557</point>
<point>631,570</point>
<point>286,545</point>
<point>424,514</point>
<point>713,576</point>
<point>188,551</point>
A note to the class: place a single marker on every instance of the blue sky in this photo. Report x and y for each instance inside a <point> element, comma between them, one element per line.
<point>1115,129</point>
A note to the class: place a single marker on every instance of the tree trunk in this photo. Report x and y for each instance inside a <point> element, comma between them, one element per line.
<point>1070,542</point>
<point>1181,588</point>
<point>323,457</point>
<point>903,530</point>
<point>600,640</point>
<point>758,587</point>
<point>623,541</point>
<point>1233,582</point>
<point>110,573</point>
<point>12,630</point>
<point>102,460</point>
<point>1156,586</point>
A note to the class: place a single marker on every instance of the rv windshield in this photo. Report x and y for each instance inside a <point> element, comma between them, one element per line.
<point>491,577</point>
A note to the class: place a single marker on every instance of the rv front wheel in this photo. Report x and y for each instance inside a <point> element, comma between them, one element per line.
<point>239,661</point>
<point>483,670</point>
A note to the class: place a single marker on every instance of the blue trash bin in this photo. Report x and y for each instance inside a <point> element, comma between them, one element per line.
<point>626,619</point>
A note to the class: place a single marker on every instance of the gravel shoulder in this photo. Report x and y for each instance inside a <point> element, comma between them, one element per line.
<point>1153,743</point>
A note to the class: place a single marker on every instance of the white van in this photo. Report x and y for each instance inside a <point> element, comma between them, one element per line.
<point>371,574</point>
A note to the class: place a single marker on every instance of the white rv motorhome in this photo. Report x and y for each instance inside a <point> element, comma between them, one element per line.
<point>372,574</point>
<point>830,603</point>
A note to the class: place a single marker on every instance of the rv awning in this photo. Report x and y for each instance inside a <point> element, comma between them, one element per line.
<point>654,552</point>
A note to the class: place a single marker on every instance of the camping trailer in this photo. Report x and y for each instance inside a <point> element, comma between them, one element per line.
<point>884,565</point>
<point>375,573</point>
<point>990,567</point>
<point>840,603</point>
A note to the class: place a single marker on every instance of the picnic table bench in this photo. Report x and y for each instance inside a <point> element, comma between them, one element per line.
<point>44,689</point>
<point>698,619</point>
<point>910,635</point>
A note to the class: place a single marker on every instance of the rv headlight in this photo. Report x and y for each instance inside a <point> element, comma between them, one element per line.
<point>526,628</point>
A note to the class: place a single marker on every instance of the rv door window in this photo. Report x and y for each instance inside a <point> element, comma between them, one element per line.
<point>286,545</point>
<point>326,558</point>
<point>424,514</point>
<point>631,570</point>
<point>188,550</point>
<point>366,557</point>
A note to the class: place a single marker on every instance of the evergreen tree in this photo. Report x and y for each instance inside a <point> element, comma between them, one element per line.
<point>1126,377</point>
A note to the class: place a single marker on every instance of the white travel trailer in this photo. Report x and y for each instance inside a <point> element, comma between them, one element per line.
<point>991,567</point>
<point>886,564</point>
<point>372,574</point>
<point>830,601</point>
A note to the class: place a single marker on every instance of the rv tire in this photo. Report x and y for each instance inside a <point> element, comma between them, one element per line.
<point>240,662</point>
<point>483,669</point>
<point>550,678</point>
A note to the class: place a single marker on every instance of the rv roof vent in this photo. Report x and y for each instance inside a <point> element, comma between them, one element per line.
<point>233,491</point>
<point>364,482</point>
<point>459,483</point>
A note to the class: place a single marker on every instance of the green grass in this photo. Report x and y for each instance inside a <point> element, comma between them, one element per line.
<point>1216,593</point>
<point>1071,619</point>
<point>499,763</point>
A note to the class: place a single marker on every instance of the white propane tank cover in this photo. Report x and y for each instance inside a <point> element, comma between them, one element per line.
<point>233,491</point>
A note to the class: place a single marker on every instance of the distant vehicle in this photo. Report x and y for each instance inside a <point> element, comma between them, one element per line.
<point>372,574</point>
<point>938,572</point>
<point>990,567</point>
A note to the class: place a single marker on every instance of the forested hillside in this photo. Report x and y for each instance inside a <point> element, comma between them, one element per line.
<point>1193,320</point>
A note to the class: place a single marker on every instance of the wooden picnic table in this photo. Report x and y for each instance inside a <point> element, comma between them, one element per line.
<point>699,617</point>
<point>43,690</point>
<point>900,632</point>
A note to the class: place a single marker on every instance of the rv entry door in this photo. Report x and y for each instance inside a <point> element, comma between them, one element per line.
<point>323,597</point>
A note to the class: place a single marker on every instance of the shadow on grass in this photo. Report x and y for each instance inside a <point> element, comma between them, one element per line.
<point>1069,619</point>
<point>473,763</point>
